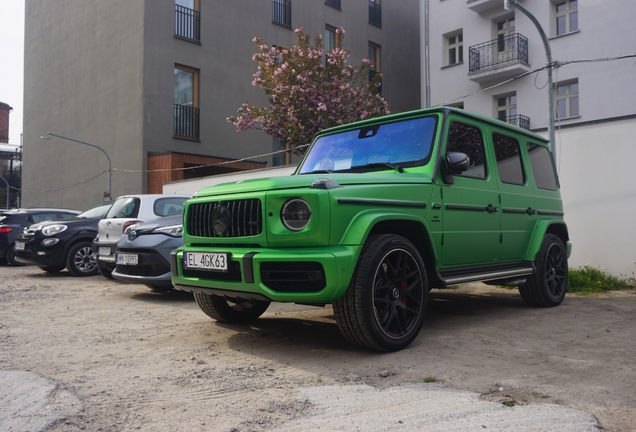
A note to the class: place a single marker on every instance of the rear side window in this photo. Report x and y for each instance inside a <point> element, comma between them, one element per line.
<point>169,206</point>
<point>43,217</point>
<point>468,139</point>
<point>542,167</point>
<point>508,159</point>
<point>124,208</point>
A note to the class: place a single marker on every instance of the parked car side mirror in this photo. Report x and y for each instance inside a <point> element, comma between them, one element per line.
<point>454,163</point>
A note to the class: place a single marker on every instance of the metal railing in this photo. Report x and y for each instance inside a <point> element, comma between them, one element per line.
<point>186,121</point>
<point>497,53</point>
<point>375,13</point>
<point>187,23</point>
<point>333,3</point>
<point>281,12</point>
<point>519,120</point>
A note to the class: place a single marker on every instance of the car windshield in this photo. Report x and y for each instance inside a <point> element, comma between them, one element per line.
<point>395,145</point>
<point>98,211</point>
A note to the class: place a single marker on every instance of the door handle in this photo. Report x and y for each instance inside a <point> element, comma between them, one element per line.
<point>530,211</point>
<point>491,209</point>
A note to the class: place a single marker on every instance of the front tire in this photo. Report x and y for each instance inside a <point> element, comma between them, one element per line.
<point>234,311</point>
<point>547,287</point>
<point>385,304</point>
<point>105,271</point>
<point>11,258</point>
<point>81,261</point>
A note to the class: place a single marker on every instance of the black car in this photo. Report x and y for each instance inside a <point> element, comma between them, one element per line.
<point>12,222</point>
<point>54,245</point>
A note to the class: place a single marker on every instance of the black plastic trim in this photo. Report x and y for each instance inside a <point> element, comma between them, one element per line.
<point>389,203</point>
<point>248,267</point>
<point>222,293</point>
<point>486,272</point>
<point>550,213</point>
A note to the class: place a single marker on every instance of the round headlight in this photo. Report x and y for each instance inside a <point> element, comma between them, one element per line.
<point>295,214</point>
<point>50,230</point>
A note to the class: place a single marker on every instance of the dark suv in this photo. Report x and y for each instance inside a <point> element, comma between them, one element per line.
<point>56,244</point>
<point>12,222</point>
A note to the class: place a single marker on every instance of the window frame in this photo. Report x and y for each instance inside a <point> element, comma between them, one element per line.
<point>484,156</point>
<point>495,143</point>
<point>568,97</point>
<point>567,14</point>
<point>457,47</point>
<point>196,25</point>
<point>509,108</point>
<point>195,103</point>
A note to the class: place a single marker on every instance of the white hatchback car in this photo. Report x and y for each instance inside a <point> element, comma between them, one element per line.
<point>128,210</point>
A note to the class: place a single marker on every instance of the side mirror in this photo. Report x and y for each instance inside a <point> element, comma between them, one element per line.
<point>454,163</point>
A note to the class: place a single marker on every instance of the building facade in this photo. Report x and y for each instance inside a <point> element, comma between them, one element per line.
<point>151,83</point>
<point>486,58</point>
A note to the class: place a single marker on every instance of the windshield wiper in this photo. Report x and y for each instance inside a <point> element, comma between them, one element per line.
<point>380,164</point>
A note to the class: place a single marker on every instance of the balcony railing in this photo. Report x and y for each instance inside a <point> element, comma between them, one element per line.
<point>333,3</point>
<point>497,53</point>
<point>186,122</point>
<point>375,13</point>
<point>187,23</point>
<point>281,12</point>
<point>519,120</point>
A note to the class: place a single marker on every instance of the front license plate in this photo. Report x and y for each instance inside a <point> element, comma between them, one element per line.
<point>104,251</point>
<point>19,246</point>
<point>205,261</point>
<point>127,259</point>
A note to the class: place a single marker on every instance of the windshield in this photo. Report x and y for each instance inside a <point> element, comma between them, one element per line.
<point>96,212</point>
<point>385,146</point>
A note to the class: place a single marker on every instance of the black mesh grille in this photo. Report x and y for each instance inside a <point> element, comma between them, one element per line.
<point>243,218</point>
<point>233,273</point>
<point>293,276</point>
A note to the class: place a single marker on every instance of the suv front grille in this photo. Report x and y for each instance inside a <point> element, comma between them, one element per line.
<point>239,218</point>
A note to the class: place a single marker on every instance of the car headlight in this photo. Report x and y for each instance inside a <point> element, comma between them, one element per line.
<point>129,228</point>
<point>50,230</point>
<point>295,214</point>
<point>172,230</point>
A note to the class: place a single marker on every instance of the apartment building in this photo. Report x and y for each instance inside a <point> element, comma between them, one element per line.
<point>151,82</point>
<point>475,55</point>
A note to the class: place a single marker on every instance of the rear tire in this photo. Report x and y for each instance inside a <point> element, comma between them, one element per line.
<point>81,261</point>
<point>547,287</point>
<point>233,311</point>
<point>385,304</point>
<point>105,271</point>
<point>51,269</point>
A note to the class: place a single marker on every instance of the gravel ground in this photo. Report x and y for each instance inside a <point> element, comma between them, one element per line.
<point>99,355</point>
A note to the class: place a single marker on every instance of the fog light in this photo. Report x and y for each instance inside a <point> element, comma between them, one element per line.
<point>41,253</point>
<point>49,241</point>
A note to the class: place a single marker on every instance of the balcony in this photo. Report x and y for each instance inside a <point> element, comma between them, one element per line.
<point>281,12</point>
<point>519,120</point>
<point>481,6</point>
<point>186,122</point>
<point>187,23</point>
<point>498,59</point>
<point>333,3</point>
<point>375,13</point>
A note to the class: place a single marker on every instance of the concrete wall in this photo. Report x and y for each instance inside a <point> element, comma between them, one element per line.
<point>83,79</point>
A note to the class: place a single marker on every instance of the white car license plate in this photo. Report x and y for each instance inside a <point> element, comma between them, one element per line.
<point>205,261</point>
<point>127,259</point>
<point>104,251</point>
<point>19,246</point>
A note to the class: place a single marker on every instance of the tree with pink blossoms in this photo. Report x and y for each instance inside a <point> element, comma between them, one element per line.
<point>309,91</point>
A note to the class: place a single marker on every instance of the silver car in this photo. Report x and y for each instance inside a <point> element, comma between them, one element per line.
<point>143,252</point>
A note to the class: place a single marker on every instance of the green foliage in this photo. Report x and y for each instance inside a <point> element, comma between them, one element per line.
<point>590,280</point>
<point>430,380</point>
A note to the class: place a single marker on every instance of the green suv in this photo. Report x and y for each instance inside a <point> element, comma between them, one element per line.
<point>377,213</point>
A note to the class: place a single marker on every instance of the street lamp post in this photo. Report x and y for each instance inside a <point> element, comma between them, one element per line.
<point>107,196</point>
<point>548,52</point>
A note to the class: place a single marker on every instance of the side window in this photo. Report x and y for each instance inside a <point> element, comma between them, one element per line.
<point>124,208</point>
<point>468,139</point>
<point>169,206</point>
<point>508,156</point>
<point>43,217</point>
<point>542,167</point>
<point>65,215</point>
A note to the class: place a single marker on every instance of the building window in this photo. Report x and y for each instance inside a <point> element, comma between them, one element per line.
<point>187,19</point>
<point>281,12</point>
<point>506,106</point>
<point>505,29</point>
<point>374,56</point>
<point>567,99</point>
<point>375,13</point>
<point>333,3</point>
<point>455,48</point>
<point>566,16</point>
<point>186,111</point>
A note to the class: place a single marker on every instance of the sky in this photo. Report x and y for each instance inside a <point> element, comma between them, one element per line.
<point>12,63</point>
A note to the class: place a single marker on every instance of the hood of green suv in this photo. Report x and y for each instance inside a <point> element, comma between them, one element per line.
<point>304,181</point>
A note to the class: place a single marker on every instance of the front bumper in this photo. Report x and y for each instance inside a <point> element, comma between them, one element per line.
<point>153,255</point>
<point>107,261</point>
<point>299,275</point>
<point>34,253</point>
